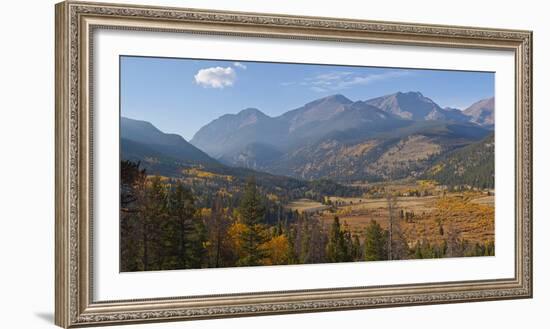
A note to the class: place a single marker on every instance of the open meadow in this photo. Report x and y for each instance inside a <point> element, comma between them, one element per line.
<point>427,218</point>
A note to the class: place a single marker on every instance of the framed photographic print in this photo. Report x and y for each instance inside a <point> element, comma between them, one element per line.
<point>219,164</point>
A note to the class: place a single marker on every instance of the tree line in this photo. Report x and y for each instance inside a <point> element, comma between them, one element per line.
<point>163,227</point>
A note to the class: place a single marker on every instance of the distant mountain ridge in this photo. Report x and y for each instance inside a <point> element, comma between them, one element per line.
<point>318,110</point>
<point>170,155</point>
<point>482,112</point>
<point>415,106</point>
<point>230,132</point>
<point>142,138</point>
<point>390,137</point>
<point>296,142</point>
<point>226,136</point>
<point>393,154</point>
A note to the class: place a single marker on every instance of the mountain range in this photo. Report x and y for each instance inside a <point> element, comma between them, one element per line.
<point>482,112</point>
<point>170,155</point>
<point>140,139</point>
<point>389,137</point>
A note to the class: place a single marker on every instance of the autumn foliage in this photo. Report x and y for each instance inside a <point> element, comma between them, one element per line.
<point>166,225</point>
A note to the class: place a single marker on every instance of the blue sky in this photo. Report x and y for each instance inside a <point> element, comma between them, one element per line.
<point>182,95</point>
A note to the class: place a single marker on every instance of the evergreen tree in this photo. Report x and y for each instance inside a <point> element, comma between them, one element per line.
<point>348,241</point>
<point>318,241</point>
<point>291,254</point>
<point>375,242</point>
<point>183,214</point>
<point>217,225</point>
<point>132,189</point>
<point>132,179</point>
<point>153,214</point>
<point>252,213</point>
<point>337,249</point>
<point>427,250</point>
<point>197,252</point>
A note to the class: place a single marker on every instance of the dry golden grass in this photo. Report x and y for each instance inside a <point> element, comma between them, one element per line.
<point>486,200</point>
<point>471,214</point>
<point>306,205</point>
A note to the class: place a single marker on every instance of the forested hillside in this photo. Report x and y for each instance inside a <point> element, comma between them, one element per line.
<point>472,165</point>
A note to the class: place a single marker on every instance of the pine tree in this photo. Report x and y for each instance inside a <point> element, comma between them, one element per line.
<point>183,214</point>
<point>132,178</point>
<point>319,240</point>
<point>337,249</point>
<point>291,254</point>
<point>153,215</point>
<point>218,223</point>
<point>427,250</point>
<point>252,212</point>
<point>132,189</point>
<point>375,242</point>
<point>197,252</point>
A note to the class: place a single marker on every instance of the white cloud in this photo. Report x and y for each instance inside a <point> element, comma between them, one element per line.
<point>239,65</point>
<point>216,77</point>
<point>334,81</point>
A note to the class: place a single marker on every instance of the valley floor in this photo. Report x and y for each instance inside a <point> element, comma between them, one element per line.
<point>419,218</point>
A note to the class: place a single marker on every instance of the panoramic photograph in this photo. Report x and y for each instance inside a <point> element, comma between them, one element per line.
<point>238,163</point>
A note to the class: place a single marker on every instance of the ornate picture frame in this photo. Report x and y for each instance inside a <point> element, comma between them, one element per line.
<point>75,24</point>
